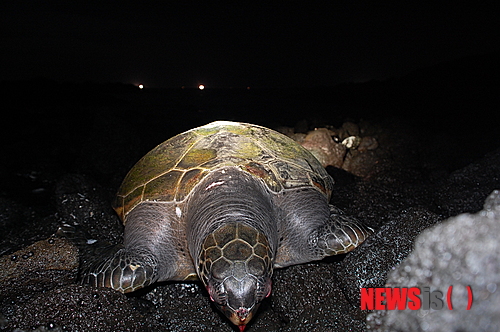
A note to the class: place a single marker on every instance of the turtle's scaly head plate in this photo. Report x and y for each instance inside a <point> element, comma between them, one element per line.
<point>235,264</point>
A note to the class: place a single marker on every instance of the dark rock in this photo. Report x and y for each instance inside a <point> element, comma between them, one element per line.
<point>320,143</point>
<point>361,163</point>
<point>368,143</point>
<point>462,251</point>
<point>37,268</point>
<point>350,129</point>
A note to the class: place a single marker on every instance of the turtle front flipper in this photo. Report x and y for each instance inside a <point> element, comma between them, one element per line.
<point>310,229</point>
<point>340,235</point>
<point>112,266</point>
<point>123,270</point>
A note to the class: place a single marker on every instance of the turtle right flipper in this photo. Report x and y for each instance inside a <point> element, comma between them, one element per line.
<point>122,270</point>
<point>107,265</point>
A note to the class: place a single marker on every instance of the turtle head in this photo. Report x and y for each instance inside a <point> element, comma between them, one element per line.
<point>239,299</point>
<point>235,266</point>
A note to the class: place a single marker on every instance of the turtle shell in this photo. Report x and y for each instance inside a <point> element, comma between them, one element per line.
<point>171,170</point>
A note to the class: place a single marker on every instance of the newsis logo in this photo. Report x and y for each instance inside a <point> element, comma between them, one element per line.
<point>413,298</point>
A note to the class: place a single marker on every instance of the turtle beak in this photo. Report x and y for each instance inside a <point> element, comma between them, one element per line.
<point>241,317</point>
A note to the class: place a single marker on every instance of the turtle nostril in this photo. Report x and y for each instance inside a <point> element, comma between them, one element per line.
<point>242,313</point>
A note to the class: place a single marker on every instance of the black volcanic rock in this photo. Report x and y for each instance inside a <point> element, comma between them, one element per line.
<point>461,252</point>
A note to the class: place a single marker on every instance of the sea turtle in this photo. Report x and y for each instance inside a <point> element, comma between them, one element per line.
<point>227,202</point>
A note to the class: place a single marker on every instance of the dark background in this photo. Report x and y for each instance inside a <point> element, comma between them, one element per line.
<point>70,72</point>
<point>256,44</point>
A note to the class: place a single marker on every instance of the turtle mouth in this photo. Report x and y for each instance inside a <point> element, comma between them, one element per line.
<point>238,313</point>
<point>241,316</point>
<point>242,313</point>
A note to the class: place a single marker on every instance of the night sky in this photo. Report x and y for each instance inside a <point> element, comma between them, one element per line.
<point>254,44</point>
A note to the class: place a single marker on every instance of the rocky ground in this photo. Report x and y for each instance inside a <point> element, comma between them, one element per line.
<point>404,175</point>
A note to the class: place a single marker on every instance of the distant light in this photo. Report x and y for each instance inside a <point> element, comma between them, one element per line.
<point>141,86</point>
<point>201,87</point>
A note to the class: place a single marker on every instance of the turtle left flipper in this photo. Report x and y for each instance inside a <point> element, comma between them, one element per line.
<point>339,235</point>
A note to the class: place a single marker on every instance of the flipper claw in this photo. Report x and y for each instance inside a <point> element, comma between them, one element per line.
<point>123,271</point>
<point>342,234</point>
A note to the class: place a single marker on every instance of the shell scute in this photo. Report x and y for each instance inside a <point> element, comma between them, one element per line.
<point>161,159</point>
<point>261,250</point>
<point>321,183</point>
<point>225,236</point>
<point>249,235</point>
<point>126,203</point>
<point>171,170</point>
<point>163,187</point>
<point>195,157</point>
<point>256,266</point>
<point>266,174</point>
<point>237,250</point>
<point>187,183</point>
